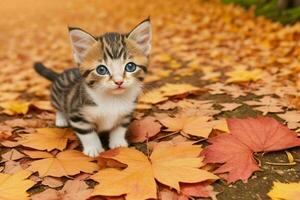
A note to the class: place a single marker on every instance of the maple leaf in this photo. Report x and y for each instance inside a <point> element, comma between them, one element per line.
<point>14,186</point>
<point>15,107</point>
<point>152,97</point>
<point>52,182</point>
<point>177,89</point>
<point>285,191</point>
<point>42,105</point>
<point>193,125</point>
<point>12,155</point>
<point>267,105</point>
<point>168,164</point>
<point>167,194</point>
<point>141,130</point>
<point>292,118</point>
<point>202,189</point>
<point>262,134</point>
<point>242,75</point>
<point>47,139</point>
<point>72,190</point>
<point>69,162</point>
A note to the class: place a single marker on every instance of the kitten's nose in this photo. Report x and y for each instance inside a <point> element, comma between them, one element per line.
<point>119,82</point>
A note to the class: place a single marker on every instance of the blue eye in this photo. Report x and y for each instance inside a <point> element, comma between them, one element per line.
<point>130,67</point>
<point>102,70</point>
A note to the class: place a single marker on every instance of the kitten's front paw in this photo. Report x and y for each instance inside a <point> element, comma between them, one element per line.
<point>118,142</point>
<point>93,151</point>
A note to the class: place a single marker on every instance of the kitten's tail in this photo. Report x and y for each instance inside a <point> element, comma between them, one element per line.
<point>45,72</point>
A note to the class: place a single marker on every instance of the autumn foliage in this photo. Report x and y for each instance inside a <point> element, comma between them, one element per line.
<point>219,115</point>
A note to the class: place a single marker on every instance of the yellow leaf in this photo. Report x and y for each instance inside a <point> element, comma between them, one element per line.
<point>65,163</point>
<point>193,125</point>
<point>15,107</point>
<point>48,139</point>
<point>177,89</point>
<point>14,186</point>
<point>180,163</point>
<point>242,75</point>
<point>168,164</point>
<point>285,191</point>
<point>137,180</point>
<point>152,97</point>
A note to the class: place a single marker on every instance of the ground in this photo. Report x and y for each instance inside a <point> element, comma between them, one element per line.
<point>225,51</point>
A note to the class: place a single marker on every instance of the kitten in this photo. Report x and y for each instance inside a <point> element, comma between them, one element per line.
<point>100,94</point>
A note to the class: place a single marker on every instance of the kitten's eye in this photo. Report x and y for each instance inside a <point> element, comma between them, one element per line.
<point>102,70</point>
<point>130,67</point>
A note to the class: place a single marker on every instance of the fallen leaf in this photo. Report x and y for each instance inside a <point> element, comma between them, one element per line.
<point>292,118</point>
<point>12,155</point>
<point>15,107</point>
<point>167,194</point>
<point>262,134</point>
<point>178,89</point>
<point>243,75</point>
<point>14,186</point>
<point>52,182</point>
<point>202,189</point>
<point>43,105</point>
<point>193,125</point>
<point>5,132</point>
<point>63,164</point>
<point>152,97</point>
<point>72,190</point>
<point>141,130</point>
<point>12,167</point>
<point>285,191</point>
<point>47,139</point>
<point>169,165</point>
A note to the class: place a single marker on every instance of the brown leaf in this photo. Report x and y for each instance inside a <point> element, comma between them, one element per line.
<point>141,130</point>
<point>52,182</point>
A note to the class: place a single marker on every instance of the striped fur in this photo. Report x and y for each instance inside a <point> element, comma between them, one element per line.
<point>91,103</point>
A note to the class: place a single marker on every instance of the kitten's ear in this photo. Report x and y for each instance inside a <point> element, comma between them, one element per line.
<point>81,41</point>
<point>142,35</point>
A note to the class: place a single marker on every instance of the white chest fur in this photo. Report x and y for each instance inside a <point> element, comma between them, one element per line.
<point>110,109</point>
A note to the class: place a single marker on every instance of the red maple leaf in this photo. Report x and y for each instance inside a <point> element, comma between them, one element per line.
<point>235,150</point>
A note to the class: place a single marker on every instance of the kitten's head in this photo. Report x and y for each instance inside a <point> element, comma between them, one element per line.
<point>113,63</point>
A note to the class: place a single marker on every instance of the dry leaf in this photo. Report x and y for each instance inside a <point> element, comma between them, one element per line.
<point>14,186</point>
<point>242,75</point>
<point>47,139</point>
<point>15,107</point>
<point>247,136</point>
<point>169,165</point>
<point>52,182</point>
<point>72,190</point>
<point>65,163</point>
<point>12,155</point>
<point>141,130</point>
<point>193,125</point>
<point>285,191</point>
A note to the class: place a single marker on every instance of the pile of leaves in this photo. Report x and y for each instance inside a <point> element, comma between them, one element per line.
<point>219,117</point>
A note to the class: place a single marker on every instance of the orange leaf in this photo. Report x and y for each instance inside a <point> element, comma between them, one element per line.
<point>15,107</point>
<point>65,163</point>
<point>193,125</point>
<point>168,164</point>
<point>47,139</point>
<point>141,130</point>
<point>14,186</point>
<point>72,190</point>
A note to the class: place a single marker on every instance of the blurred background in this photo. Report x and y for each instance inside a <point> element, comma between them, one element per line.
<point>205,35</point>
